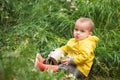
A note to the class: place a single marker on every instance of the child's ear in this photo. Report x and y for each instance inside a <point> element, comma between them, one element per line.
<point>90,33</point>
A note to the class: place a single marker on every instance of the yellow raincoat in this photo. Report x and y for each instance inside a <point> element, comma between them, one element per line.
<point>82,52</point>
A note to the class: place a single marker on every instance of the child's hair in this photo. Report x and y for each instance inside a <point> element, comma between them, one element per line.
<point>89,21</point>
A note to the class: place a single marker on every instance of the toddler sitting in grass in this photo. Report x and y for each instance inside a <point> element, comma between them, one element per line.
<point>79,51</point>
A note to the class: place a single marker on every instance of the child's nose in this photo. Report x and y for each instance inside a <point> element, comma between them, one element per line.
<point>78,32</point>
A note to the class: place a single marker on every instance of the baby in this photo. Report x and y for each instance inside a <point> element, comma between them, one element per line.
<point>79,51</point>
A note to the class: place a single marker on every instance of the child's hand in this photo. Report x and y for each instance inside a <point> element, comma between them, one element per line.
<point>66,61</point>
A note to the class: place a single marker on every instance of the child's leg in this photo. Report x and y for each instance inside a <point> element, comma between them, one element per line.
<point>38,58</point>
<point>42,66</point>
<point>72,69</point>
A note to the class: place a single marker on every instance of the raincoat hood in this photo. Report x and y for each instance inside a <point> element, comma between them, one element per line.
<point>93,38</point>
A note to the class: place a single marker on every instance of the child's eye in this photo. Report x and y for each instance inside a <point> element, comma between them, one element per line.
<point>76,29</point>
<point>82,30</point>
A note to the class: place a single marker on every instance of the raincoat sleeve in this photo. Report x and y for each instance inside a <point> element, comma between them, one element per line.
<point>64,48</point>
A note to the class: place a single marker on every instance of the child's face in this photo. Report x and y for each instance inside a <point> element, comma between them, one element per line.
<point>81,31</point>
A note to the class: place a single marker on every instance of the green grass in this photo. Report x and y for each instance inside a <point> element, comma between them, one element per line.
<point>35,26</point>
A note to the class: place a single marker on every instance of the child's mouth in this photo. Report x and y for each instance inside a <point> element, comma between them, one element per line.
<point>77,37</point>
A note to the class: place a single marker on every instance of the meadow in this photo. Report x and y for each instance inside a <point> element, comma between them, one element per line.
<point>31,26</point>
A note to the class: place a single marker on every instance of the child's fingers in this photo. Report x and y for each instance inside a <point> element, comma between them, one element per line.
<point>63,61</point>
<point>66,63</point>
